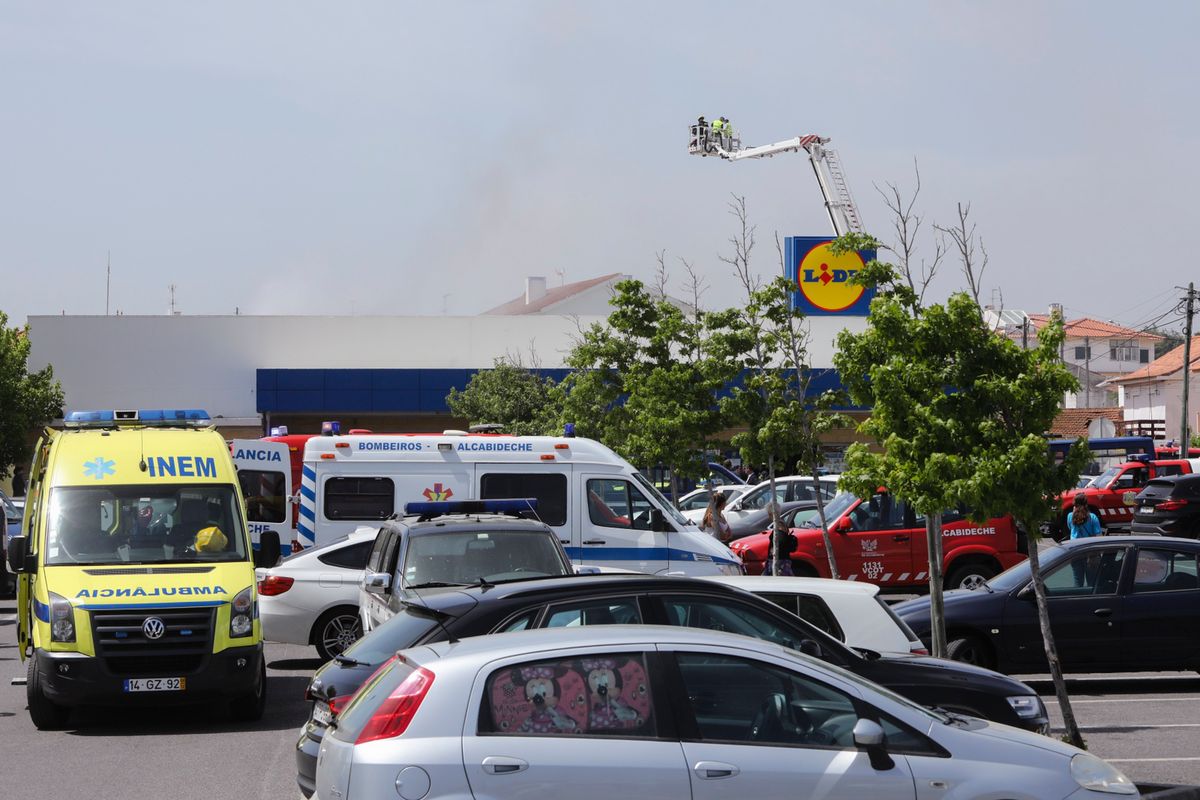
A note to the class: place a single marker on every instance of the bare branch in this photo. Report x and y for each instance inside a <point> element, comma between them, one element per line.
<point>964,238</point>
<point>906,225</point>
<point>695,286</point>
<point>743,243</point>
<point>661,276</point>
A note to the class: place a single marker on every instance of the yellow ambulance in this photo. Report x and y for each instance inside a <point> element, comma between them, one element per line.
<point>136,570</point>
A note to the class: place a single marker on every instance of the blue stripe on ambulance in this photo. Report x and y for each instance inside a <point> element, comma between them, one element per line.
<point>41,610</point>
<point>308,507</point>
<point>641,554</point>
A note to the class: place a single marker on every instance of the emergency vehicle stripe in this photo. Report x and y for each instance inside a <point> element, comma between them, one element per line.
<point>307,492</point>
<point>886,577</point>
<point>920,576</point>
<point>308,507</point>
<point>904,576</point>
<point>308,513</point>
<point>41,610</point>
<point>852,578</point>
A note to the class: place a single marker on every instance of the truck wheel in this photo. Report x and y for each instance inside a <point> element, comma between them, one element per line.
<point>45,713</point>
<point>970,575</point>
<point>335,630</point>
<point>971,650</point>
<point>249,707</point>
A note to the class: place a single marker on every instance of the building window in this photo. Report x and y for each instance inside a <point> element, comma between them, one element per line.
<point>1082,353</point>
<point>1144,357</point>
<point>1123,350</point>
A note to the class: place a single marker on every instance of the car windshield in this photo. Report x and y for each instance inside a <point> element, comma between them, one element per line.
<point>460,558</point>
<point>836,507</point>
<point>1104,478</point>
<point>661,501</point>
<point>144,525</point>
<point>1018,575</point>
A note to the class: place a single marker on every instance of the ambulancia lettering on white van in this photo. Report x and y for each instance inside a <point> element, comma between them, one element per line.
<point>258,455</point>
<point>154,591</point>
<point>181,466</point>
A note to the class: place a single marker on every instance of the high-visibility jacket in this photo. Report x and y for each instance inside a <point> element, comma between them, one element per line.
<point>717,125</point>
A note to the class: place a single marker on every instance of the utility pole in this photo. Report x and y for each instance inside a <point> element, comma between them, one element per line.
<point>1184,442</point>
<point>107,282</point>
<point>1087,370</point>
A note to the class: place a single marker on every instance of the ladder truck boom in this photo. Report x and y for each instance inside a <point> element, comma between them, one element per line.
<point>827,167</point>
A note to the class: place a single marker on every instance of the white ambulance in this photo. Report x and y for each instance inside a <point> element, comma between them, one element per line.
<point>605,512</point>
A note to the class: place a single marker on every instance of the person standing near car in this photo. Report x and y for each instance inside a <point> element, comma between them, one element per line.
<point>18,481</point>
<point>1083,524</point>
<point>714,522</point>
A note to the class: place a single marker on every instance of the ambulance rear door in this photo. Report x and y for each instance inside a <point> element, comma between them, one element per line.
<point>265,475</point>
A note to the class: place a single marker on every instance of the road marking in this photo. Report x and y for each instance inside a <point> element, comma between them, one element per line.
<point>1139,760</point>
<point>1075,702</point>
<point>1136,727</point>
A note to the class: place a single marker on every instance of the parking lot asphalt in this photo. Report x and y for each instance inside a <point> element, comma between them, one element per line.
<point>1146,724</point>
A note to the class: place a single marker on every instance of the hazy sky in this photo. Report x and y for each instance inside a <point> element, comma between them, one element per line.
<point>375,157</point>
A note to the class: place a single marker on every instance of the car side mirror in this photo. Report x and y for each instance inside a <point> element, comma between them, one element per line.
<point>1027,593</point>
<point>19,557</point>
<point>377,582</point>
<point>843,525</point>
<point>269,549</point>
<point>810,648</point>
<point>868,735</point>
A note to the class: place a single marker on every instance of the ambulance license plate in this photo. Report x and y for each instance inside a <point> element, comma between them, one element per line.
<point>155,684</point>
<point>321,713</point>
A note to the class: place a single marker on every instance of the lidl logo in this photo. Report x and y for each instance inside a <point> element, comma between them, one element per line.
<point>438,492</point>
<point>825,282</point>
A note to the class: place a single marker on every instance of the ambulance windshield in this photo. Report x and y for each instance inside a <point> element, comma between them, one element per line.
<point>144,525</point>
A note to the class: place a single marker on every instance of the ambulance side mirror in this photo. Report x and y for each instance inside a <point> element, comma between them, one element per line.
<point>18,559</point>
<point>269,549</point>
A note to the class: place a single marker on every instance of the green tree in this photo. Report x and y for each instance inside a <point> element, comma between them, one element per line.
<point>960,413</point>
<point>28,400</point>
<point>645,382</point>
<point>521,401</point>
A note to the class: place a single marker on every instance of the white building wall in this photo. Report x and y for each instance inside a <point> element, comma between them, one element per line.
<point>210,362</point>
<point>1101,361</point>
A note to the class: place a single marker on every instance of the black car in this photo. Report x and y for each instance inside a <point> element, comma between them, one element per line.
<point>1168,507</point>
<point>1117,604</point>
<point>630,598</point>
<point>760,520</point>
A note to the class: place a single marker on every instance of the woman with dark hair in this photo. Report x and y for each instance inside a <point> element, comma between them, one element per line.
<point>1082,524</point>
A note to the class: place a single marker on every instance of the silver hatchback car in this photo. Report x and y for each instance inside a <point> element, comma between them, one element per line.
<point>655,712</point>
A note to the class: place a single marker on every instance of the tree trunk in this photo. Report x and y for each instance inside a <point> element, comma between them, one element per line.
<point>773,512</point>
<point>674,486</point>
<point>1073,735</point>
<point>833,570</point>
<point>937,610</point>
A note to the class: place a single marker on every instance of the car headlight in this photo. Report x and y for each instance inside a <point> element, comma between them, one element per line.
<point>242,613</point>
<point>1098,775</point>
<point>62,619</point>
<point>731,569</point>
<point>1027,706</point>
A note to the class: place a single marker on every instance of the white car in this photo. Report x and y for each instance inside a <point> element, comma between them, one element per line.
<point>648,712</point>
<point>694,503</point>
<point>847,610</point>
<point>312,597</point>
<point>787,488</point>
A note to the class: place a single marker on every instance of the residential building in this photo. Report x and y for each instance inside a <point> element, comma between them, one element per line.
<point>1152,397</point>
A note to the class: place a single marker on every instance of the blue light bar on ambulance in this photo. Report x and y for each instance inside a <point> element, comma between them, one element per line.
<point>435,508</point>
<point>331,428</point>
<point>190,417</point>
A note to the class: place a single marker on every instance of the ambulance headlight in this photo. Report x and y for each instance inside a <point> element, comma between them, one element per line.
<point>241,614</point>
<point>731,569</point>
<point>62,619</point>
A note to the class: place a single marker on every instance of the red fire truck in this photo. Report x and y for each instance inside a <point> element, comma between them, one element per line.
<point>1111,494</point>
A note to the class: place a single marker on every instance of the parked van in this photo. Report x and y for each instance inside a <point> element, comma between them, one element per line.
<point>604,511</point>
<point>136,573</point>
<point>881,540</point>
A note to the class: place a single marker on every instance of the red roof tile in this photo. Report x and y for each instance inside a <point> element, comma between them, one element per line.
<point>1164,365</point>
<point>1073,422</point>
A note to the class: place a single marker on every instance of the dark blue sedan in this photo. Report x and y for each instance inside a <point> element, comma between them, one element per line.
<point>1117,604</point>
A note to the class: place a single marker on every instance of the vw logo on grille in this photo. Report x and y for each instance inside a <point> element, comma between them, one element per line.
<point>153,628</point>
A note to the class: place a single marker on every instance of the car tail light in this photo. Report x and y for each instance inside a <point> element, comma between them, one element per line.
<point>392,716</point>
<point>274,584</point>
<point>1171,505</point>
<point>918,650</point>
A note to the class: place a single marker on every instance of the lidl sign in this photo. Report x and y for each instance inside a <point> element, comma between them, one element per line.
<point>822,281</point>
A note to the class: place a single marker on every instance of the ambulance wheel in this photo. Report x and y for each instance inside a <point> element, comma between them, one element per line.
<point>249,707</point>
<point>971,575</point>
<point>45,713</point>
<point>337,629</point>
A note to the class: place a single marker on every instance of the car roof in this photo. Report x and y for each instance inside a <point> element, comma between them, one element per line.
<point>784,583</point>
<point>540,589</point>
<point>502,645</point>
<point>1099,541</point>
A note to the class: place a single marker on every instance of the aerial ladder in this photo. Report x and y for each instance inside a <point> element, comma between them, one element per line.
<point>839,203</point>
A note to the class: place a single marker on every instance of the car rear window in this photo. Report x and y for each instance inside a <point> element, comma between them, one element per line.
<point>350,557</point>
<point>401,632</point>
<point>1158,488</point>
<point>901,624</point>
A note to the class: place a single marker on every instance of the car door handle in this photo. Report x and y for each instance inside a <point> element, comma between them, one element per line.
<point>594,541</point>
<point>502,765</point>
<point>713,770</point>
<point>565,541</point>
<point>1103,612</point>
<point>899,538</point>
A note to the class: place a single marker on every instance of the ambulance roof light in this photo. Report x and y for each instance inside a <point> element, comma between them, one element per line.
<point>279,430</point>
<point>569,430</point>
<point>436,508</point>
<point>1142,457</point>
<point>331,428</point>
<point>153,417</point>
